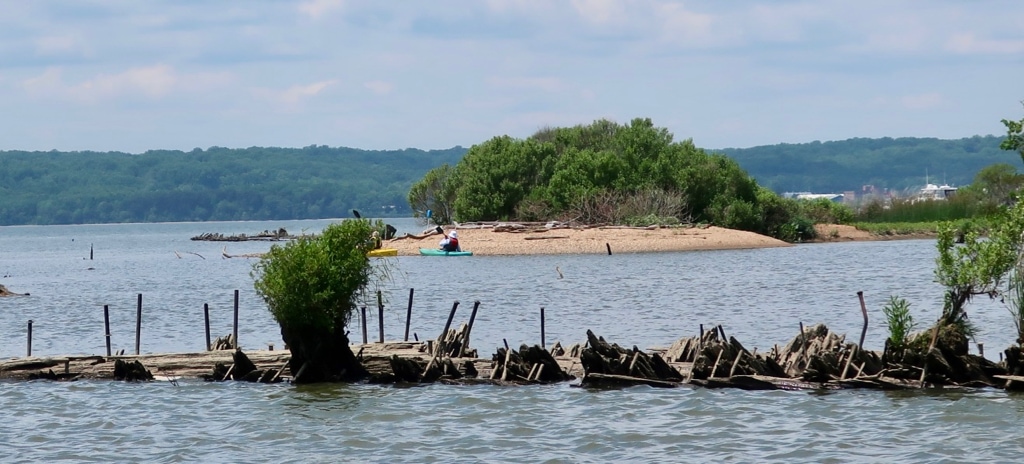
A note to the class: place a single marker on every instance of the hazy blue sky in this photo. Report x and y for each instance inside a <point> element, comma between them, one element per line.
<point>133,75</point>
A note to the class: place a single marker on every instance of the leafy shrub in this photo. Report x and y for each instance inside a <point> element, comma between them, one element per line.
<point>314,283</point>
<point>899,320</point>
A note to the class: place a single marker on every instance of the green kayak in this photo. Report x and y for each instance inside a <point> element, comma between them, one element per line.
<point>437,252</point>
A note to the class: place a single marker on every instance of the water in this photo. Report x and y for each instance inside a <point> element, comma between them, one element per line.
<point>759,296</point>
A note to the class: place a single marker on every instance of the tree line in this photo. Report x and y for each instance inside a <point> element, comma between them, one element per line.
<point>897,164</point>
<point>260,183</point>
<point>209,185</point>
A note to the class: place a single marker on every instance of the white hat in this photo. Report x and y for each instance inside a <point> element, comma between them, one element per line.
<point>454,234</point>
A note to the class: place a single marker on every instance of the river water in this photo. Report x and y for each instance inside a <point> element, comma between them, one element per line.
<point>647,300</point>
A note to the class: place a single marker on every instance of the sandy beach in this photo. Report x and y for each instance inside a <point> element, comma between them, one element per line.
<point>487,241</point>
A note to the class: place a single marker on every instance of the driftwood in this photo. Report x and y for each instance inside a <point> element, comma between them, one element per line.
<point>226,342</point>
<point>531,364</point>
<point>5,292</point>
<point>224,254</point>
<point>550,237</point>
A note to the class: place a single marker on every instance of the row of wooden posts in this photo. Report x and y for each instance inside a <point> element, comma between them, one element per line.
<point>138,326</point>
<point>408,319</point>
<point>206,317</point>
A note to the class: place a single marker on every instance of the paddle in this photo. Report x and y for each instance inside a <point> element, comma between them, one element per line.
<point>356,214</point>
<point>441,231</point>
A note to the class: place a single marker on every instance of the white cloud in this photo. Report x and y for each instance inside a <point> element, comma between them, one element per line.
<point>316,9</point>
<point>379,87</point>
<point>151,82</point>
<point>599,11</point>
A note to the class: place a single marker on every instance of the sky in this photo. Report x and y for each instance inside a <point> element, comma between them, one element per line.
<point>129,75</point>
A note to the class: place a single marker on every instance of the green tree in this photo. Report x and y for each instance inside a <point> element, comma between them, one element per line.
<point>495,176</point>
<point>434,193</point>
<point>312,287</point>
<point>1014,136</point>
<point>977,266</point>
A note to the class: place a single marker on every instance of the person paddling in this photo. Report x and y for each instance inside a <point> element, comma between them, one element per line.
<point>450,242</point>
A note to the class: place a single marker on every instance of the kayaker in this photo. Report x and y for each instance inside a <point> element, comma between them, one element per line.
<point>450,242</point>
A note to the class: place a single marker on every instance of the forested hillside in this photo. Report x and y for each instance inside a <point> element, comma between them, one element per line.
<point>320,181</point>
<point>213,184</point>
<point>850,164</point>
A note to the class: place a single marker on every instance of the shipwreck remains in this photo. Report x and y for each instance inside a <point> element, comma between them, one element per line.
<point>266,235</point>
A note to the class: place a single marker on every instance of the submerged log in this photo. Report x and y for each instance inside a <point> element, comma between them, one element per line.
<point>5,292</point>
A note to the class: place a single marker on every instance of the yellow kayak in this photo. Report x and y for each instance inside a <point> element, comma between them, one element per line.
<point>382,252</point>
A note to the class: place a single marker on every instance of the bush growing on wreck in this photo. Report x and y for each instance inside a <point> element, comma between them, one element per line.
<point>312,287</point>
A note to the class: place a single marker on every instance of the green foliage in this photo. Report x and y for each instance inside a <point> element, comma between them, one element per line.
<point>908,211</point>
<point>899,320</point>
<point>605,172</point>
<point>1015,293</point>
<point>1014,136</point>
<point>314,284</point>
<point>978,266</point>
<point>825,211</point>
<point>896,164</point>
<point>435,192</point>
<point>496,175</point>
<point>907,228</point>
<point>207,185</point>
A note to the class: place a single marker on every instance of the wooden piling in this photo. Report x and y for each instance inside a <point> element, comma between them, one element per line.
<point>138,325</point>
<point>609,247</point>
<point>106,326</point>
<point>90,252</point>
<point>380,316</point>
<point>469,328</point>
<point>408,314</point>
<point>206,317</point>
<point>362,319</point>
<point>29,338</point>
<point>863,310</point>
<point>542,328</point>
<point>234,330</point>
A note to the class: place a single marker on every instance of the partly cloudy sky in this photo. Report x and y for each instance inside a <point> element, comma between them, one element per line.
<point>133,75</point>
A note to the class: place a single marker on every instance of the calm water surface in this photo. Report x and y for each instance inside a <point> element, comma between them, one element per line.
<point>647,300</point>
